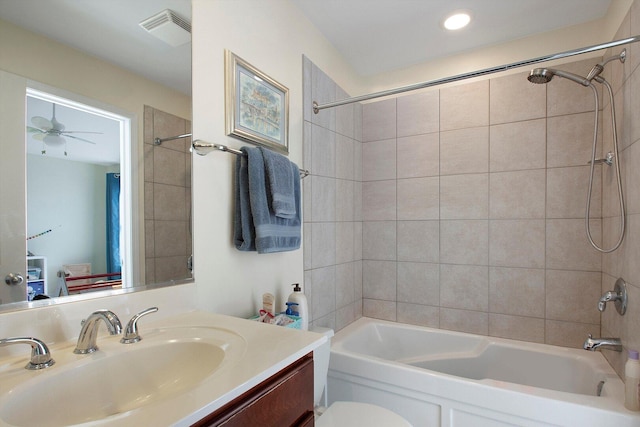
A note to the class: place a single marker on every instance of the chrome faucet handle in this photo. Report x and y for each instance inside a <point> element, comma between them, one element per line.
<point>89,332</point>
<point>618,295</point>
<point>131,334</point>
<point>40,354</point>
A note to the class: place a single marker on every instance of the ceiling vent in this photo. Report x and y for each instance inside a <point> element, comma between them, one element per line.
<point>168,27</point>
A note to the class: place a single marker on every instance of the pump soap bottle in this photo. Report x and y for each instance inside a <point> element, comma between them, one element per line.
<point>297,297</point>
<point>632,382</point>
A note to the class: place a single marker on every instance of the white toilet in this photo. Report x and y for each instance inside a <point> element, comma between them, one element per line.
<point>342,414</point>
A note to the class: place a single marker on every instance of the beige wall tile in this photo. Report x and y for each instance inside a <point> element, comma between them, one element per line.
<point>323,90</point>
<point>567,193</point>
<point>464,287</point>
<point>345,115</point>
<point>378,201</point>
<point>169,202</point>
<point>170,238</point>
<point>568,247</point>
<point>377,309</point>
<point>323,151</point>
<point>464,196</point>
<point>567,97</point>
<point>379,160</point>
<point>344,284</point>
<point>171,268</point>
<point>473,322</point>
<point>517,146</point>
<point>630,159</point>
<point>421,315</point>
<point>464,106</point>
<point>418,113</point>
<point>517,291</point>
<point>418,198</point>
<point>345,157</point>
<point>517,195</point>
<point>418,156</point>
<point>419,241</point>
<point>517,243</point>
<point>323,244</point>
<point>573,296</point>
<point>464,151</point>
<point>464,242</point>
<point>568,334</point>
<point>345,242</point>
<point>169,167</point>
<point>345,200</point>
<point>379,120</point>
<point>323,291</point>
<point>323,194</point>
<point>516,327</point>
<point>379,240</point>
<point>379,280</point>
<point>418,283</point>
<point>570,139</point>
<point>507,95</point>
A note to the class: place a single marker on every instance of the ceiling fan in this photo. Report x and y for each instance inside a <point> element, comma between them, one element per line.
<point>52,132</point>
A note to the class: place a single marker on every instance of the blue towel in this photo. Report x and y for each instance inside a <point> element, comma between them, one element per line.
<point>273,234</point>
<point>279,184</point>
<point>244,233</point>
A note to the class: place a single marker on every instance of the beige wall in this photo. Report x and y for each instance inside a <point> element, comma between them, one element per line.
<point>272,36</point>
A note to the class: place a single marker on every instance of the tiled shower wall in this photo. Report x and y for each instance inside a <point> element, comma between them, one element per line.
<point>332,208</point>
<point>473,209</point>
<point>625,262</point>
<point>167,197</point>
<point>470,207</point>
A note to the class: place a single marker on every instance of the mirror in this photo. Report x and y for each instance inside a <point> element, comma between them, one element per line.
<point>159,230</point>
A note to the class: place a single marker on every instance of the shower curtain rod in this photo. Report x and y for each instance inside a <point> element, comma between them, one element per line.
<point>317,107</point>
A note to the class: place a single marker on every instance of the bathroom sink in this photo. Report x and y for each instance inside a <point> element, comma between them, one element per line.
<point>119,378</point>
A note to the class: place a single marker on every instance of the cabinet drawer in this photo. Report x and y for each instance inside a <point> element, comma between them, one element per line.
<point>285,399</point>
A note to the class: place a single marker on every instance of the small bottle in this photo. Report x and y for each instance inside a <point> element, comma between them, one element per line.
<point>632,382</point>
<point>299,298</point>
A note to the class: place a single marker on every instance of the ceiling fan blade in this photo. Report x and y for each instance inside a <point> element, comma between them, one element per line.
<point>42,123</point>
<point>34,130</point>
<point>39,136</point>
<point>81,139</point>
<point>79,131</point>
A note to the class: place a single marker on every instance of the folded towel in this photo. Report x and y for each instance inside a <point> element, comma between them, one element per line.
<point>280,183</point>
<point>244,233</point>
<point>273,234</point>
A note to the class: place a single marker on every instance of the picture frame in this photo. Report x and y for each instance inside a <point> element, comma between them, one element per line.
<point>257,106</point>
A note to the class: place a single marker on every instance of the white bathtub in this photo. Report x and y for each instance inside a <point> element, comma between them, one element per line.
<point>440,378</point>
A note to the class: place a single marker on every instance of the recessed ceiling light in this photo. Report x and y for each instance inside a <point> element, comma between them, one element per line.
<point>457,20</point>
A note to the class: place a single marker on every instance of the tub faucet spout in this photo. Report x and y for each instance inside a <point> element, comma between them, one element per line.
<point>593,344</point>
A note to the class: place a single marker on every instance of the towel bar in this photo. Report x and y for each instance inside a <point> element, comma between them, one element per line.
<point>204,148</point>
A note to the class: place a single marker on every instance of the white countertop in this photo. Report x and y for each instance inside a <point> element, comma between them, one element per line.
<point>266,350</point>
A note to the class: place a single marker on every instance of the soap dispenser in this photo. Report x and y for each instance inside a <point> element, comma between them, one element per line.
<point>297,297</point>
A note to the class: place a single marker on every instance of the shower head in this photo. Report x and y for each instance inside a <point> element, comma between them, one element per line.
<point>599,68</point>
<point>544,75</point>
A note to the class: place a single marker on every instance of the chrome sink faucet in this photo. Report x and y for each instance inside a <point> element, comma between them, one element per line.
<point>89,332</point>
<point>40,354</point>
<point>593,344</point>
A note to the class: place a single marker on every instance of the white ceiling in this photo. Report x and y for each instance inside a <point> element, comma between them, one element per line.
<point>376,36</point>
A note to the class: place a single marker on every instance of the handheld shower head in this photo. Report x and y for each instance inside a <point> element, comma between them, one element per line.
<point>544,75</point>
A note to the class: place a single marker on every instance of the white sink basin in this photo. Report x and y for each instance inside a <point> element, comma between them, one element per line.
<point>117,379</point>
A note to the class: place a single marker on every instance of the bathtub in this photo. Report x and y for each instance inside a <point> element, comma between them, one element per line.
<point>440,378</point>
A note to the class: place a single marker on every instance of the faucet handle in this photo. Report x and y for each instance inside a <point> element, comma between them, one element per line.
<point>40,354</point>
<point>131,331</point>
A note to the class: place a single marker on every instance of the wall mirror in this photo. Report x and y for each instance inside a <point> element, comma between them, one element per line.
<point>70,146</point>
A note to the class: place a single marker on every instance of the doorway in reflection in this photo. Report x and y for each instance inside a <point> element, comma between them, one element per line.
<point>77,219</point>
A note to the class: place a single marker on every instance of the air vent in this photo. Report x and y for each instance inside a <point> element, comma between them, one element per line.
<point>168,27</point>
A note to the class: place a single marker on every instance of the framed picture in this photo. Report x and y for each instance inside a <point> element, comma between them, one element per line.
<point>257,107</point>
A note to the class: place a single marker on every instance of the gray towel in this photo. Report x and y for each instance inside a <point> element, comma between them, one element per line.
<point>279,184</point>
<point>244,233</point>
<point>273,234</point>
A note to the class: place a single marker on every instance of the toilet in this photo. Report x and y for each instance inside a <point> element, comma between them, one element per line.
<point>341,414</point>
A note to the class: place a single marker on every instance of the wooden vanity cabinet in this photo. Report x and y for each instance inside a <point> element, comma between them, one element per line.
<point>285,399</point>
